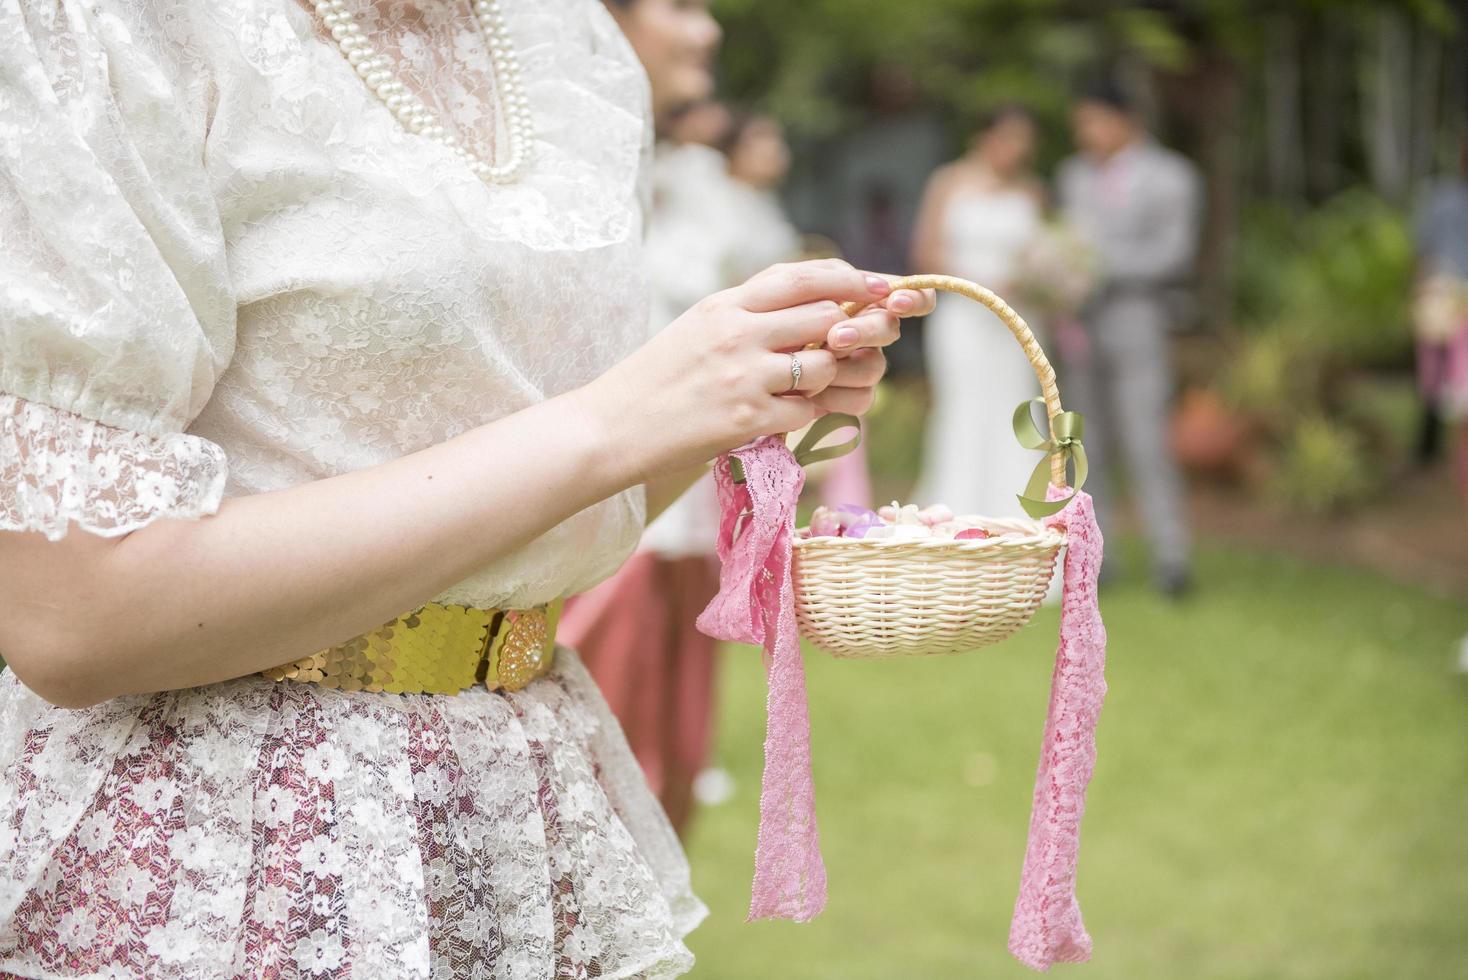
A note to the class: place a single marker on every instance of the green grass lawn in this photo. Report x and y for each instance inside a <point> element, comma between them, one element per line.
<point>1281,792</point>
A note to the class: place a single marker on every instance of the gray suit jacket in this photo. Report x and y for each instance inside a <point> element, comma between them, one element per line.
<point>1140,210</point>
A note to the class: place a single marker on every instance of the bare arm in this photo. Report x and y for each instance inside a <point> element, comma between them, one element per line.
<point>927,233</point>
<point>276,576</point>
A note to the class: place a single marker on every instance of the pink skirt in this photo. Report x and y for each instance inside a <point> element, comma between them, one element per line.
<point>254,830</point>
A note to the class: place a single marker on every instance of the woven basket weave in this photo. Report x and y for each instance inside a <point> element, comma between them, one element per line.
<point>882,597</point>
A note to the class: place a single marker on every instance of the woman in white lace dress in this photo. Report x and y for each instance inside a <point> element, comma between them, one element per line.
<point>287,350</point>
<point>978,215</point>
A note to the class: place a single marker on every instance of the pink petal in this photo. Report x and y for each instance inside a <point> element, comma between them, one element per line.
<point>824,523</point>
<point>936,514</point>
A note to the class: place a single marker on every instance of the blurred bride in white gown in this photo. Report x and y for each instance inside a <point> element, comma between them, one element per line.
<point>979,213</point>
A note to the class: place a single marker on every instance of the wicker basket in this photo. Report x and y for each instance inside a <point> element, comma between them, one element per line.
<point>890,598</point>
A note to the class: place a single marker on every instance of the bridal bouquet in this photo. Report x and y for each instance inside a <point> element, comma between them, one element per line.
<point>1056,271</point>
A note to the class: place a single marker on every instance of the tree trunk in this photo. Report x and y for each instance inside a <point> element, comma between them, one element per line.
<point>1282,107</point>
<point>1455,105</point>
<point>1427,86</point>
<point>1325,96</point>
<point>1219,151</point>
<point>1386,108</point>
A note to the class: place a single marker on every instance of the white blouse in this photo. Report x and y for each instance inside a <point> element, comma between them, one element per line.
<point>225,269</point>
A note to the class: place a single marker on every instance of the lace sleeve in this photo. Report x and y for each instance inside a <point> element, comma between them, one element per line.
<point>57,467</point>
<point>116,312</point>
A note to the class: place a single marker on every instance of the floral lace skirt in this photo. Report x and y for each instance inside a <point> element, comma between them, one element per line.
<point>253,829</point>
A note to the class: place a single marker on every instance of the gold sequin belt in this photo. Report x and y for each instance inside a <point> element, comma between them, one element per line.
<point>438,649</point>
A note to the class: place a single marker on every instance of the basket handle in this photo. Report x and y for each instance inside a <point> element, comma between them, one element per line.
<point>1017,326</point>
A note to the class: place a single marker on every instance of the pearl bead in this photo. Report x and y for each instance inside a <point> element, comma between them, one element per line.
<point>415,117</point>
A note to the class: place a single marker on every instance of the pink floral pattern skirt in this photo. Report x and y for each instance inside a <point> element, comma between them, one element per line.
<point>259,830</point>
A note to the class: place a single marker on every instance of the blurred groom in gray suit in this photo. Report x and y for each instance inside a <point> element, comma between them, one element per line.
<point>1137,203</point>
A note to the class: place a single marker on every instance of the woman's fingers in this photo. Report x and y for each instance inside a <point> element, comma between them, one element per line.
<point>862,369</point>
<point>808,323</point>
<point>874,328</point>
<point>792,413</point>
<point>793,284</point>
<point>912,302</point>
<point>907,302</point>
<point>824,323</point>
<point>852,401</point>
<point>816,372</point>
<point>852,388</point>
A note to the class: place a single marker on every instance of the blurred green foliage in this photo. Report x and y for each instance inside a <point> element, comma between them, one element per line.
<point>809,62</point>
<point>1260,379</point>
<point>1322,296</point>
<point>1333,278</point>
<point>1323,467</point>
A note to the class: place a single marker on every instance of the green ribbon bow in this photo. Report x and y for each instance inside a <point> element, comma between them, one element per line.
<point>806,452</point>
<point>1066,429</point>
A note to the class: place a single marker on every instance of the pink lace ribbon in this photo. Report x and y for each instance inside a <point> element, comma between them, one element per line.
<point>1047,927</point>
<point>756,604</point>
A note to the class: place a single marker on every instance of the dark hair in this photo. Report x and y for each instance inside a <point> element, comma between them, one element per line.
<point>620,3</point>
<point>1110,93</point>
<point>1003,113</point>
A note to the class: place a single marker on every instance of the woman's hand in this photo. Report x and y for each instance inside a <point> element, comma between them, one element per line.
<point>720,375</point>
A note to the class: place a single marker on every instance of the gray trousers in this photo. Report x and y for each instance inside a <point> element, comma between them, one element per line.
<point>1123,386</point>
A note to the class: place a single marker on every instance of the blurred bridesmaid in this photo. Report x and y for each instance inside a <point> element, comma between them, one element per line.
<point>759,233</point>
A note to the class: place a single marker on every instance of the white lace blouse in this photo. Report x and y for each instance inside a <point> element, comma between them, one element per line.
<point>225,269</point>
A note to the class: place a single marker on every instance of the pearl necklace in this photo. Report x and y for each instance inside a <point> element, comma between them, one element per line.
<point>414,116</point>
